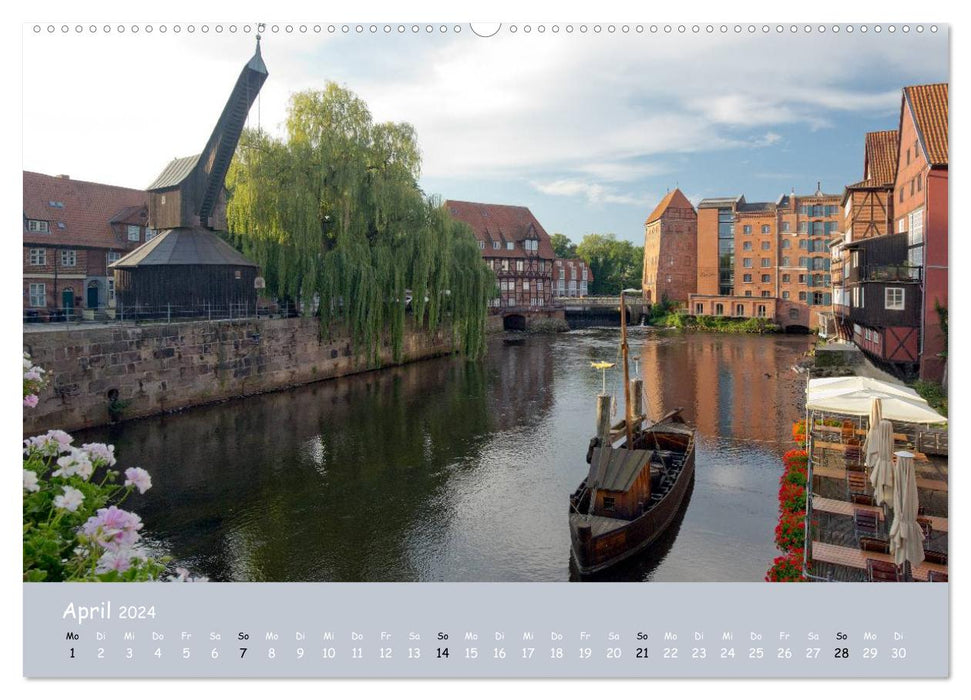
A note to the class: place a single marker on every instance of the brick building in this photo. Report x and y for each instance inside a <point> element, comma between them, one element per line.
<point>893,255</point>
<point>517,248</point>
<point>671,250</point>
<point>571,277</point>
<point>776,252</point>
<point>72,231</point>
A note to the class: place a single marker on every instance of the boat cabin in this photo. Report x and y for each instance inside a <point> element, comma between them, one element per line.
<point>622,481</point>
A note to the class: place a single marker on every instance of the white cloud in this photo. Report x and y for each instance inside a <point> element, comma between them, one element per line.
<point>594,193</point>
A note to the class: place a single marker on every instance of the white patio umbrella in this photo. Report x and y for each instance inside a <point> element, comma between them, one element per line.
<point>905,534</point>
<point>870,447</point>
<point>881,466</point>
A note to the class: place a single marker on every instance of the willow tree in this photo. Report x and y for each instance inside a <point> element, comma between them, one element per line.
<point>334,216</point>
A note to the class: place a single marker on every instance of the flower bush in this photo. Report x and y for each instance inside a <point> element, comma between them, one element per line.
<point>788,567</point>
<point>790,533</point>
<point>796,475</point>
<point>792,497</point>
<point>795,458</point>
<point>74,529</point>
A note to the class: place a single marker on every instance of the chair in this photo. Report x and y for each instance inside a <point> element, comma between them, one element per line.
<point>875,544</point>
<point>932,556</point>
<point>882,571</point>
<point>866,524</point>
<point>847,431</point>
<point>937,577</point>
<point>853,454</point>
<point>856,485</point>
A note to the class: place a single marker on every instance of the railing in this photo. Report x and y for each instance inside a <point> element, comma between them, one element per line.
<point>890,273</point>
<point>141,313</point>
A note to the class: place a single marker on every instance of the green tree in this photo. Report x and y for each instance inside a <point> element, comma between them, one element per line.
<point>615,264</point>
<point>563,247</point>
<point>334,216</point>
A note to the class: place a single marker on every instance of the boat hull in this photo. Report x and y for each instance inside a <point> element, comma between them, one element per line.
<point>598,552</point>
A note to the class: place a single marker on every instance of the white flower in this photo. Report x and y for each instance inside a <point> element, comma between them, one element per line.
<point>101,454</point>
<point>77,462</point>
<point>51,444</point>
<point>139,478</point>
<point>182,576</point>
<point>30,480</point>
<point>71,499</point>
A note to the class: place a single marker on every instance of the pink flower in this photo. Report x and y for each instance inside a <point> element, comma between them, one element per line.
<point>113,528</point>
<point>118,560</point>
<point>139,478</point>
<point>51,444</point>
<point>30,401</point>
<point>70,500</point>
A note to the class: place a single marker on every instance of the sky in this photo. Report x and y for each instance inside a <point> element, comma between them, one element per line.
<point>589,130</point>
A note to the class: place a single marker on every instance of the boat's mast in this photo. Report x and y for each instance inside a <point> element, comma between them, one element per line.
<point>623,348</point>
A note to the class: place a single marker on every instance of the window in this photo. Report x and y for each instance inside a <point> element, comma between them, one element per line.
<point>747,245</point>
<point>111,290</point>
<point>562,273</point>
<point>785,295</point>
<point>760,311</point>
<point>766,228</point>
<point>525,285</point>
<point>519,265</point>
<point>113,256</point>
<point>766,279</point>
<point>510,245</point>
<point>803,227</point>
<point>37,256</point>
<point>134,233</point>
<point>894,299</point>
<point>786,277</point>
<point>919,182</point>
<point>829,227</point>
<point>802,296</point>
<point>495,245</point>
<point>785,261</point>
<point>746,229</point>
<point>38,294</point>
<point>699,309</point>
<point>69,258</point>
<point>766,293</point>
<point>785,227</point>
<point>481,244</point>
<point>739,309</point>
<point>609,502</point>
<point>856,258</point>
<point>802,279</point>
<point>803,261</point>
<point>746,278</point>
<point>505,266</point>
<point>719,309</point>
<point>584,274</point>
<point>36,226</point>
<point>804,244</point>
<point>766,245</point>
<point>793,313</point>
<point>748,292</point>
<point>151,233</point>
<point>766,262</point>
<point>786,243</point>
<point>746,262</point>
<point>819,210</point>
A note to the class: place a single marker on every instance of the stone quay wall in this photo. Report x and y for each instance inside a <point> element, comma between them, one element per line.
<point>153,369</point>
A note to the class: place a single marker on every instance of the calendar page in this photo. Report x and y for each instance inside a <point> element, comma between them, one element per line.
<point>425,349</point>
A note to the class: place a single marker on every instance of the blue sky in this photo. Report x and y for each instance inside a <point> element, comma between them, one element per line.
<point>587,130</point>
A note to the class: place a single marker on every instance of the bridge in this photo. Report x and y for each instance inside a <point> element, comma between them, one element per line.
<point>583,312</point>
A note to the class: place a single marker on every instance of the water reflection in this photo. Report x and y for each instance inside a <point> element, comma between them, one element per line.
<point>448,470</point>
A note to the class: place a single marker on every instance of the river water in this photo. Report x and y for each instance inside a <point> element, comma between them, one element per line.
<point>446,470</point>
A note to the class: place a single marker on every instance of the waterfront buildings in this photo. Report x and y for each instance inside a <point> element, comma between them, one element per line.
<point>671,251</point>
<point>571,277</point>
<point>891,288</point>
<point>72,231</point>
<point>517,248</point>
<point>766,259</point>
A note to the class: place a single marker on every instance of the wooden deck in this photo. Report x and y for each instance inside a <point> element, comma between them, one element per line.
<point>840,473</point>
<point>830,505</point>
<point>840,447</point>
<point>856,559</point>
<point>837,430</point>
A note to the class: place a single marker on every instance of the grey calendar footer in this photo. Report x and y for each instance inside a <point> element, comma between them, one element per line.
<point>617,630</point>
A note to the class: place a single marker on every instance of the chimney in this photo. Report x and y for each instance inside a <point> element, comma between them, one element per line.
<point>63,177</point>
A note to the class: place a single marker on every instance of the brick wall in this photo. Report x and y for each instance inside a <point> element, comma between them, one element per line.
<point>166,367</point>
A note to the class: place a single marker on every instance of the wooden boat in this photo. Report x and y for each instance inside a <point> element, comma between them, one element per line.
<point>638,477</point>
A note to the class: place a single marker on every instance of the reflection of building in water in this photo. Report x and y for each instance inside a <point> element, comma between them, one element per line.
<point>729,388</point>
<point>525,393</point>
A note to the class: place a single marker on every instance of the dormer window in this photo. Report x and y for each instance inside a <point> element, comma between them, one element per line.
<point>38,226</point>
<point>134,233</point>
<point>495,245</point>
<point>510,245</point>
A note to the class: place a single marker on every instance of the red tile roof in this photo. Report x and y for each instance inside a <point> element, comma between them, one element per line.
<point>502,223</point>
<point>86,210</point>
<point>577,267</point>
<point>674,199</point>
<point>928,104</point>
<point>880,158</point>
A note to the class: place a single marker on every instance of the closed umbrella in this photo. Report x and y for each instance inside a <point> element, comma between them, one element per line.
<point>905,534</point>
<point>870,448</point>
<point>881,465</point>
